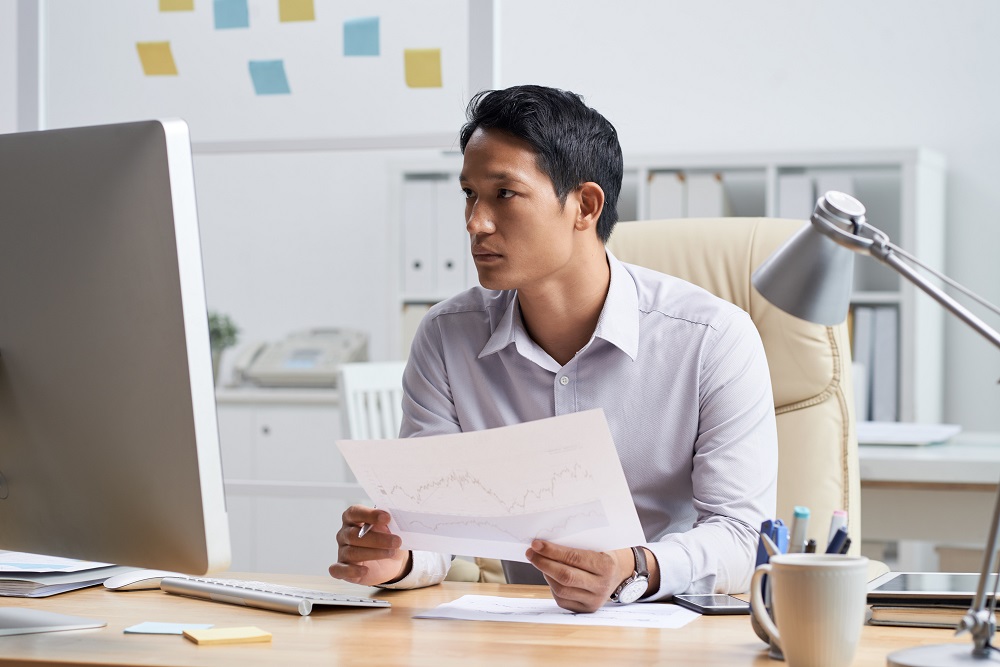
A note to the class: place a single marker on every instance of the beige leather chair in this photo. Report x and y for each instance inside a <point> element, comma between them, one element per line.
<point>810,364</point>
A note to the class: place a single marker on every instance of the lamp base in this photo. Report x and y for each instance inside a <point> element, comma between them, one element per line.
<point>940,655</point>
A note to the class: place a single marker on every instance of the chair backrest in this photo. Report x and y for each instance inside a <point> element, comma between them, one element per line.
<point>371,395</point>
<point>810,364</point>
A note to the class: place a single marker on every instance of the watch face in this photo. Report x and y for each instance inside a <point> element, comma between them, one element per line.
<point>633,590</point>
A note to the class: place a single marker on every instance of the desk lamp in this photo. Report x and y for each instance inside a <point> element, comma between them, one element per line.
<point>809,277</point>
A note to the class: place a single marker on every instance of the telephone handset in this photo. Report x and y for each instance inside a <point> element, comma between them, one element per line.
<point>304,359</point>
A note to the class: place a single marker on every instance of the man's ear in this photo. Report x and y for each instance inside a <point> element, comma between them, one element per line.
<point>591,198</point>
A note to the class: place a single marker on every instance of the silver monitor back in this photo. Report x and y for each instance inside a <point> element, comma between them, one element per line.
<point>109,444</point>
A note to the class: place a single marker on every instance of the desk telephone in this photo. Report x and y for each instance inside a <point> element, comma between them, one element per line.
<point>304,359</point>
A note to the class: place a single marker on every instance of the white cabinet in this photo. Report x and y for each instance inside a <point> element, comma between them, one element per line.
<point>903,191</point>
<point>286,483</point>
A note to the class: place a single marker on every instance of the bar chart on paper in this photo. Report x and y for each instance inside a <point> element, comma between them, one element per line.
<point>489,493</point>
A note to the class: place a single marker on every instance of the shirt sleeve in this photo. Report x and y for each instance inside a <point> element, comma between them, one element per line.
<point>734,469</point>
<point>428,409</point>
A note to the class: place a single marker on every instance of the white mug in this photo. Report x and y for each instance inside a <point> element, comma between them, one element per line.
<point>818,603</point>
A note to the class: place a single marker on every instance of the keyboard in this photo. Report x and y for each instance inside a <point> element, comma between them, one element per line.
<point>274,597</point>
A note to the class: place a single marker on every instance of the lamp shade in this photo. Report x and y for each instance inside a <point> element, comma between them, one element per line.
<point>810,275</point>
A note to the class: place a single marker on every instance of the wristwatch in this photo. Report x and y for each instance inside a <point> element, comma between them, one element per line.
<point>633,588</point>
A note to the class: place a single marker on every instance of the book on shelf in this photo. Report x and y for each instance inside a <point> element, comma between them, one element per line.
<point>922,616</point>
<point>861,348</point>
<point>667,195</point>
<point>885,365</point>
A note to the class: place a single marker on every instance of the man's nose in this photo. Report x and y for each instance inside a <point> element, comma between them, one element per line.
<point>479,220</point>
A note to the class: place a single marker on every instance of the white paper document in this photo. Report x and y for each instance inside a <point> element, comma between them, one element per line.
<point>526,610</point>
<point>18,561</point>
<point>489,493</point>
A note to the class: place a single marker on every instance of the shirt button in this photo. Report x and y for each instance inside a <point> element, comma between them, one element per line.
<point>564,380</point>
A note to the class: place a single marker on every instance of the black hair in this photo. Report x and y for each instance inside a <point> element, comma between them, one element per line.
<point>574,144</point>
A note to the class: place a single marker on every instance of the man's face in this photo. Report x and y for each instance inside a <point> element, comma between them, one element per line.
<point>522,236</point>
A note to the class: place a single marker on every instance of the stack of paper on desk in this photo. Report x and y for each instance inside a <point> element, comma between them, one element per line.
<point>35,576</point>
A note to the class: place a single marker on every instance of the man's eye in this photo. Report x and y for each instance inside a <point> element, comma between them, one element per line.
<point>467,192</point>
<point>504,193</point>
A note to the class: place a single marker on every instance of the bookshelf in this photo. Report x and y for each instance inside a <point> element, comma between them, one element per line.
<point>903,190</point>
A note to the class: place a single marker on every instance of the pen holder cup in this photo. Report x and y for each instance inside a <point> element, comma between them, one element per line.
<point>817,606</point>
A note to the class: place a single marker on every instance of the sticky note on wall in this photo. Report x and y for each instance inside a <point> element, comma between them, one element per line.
<point>269,77</point>
<point>361,37</point>
<point>296,10</point>
<point>231,14</point>
<point>176,5</point>
<point>423,68</point>
<point>156,58</point>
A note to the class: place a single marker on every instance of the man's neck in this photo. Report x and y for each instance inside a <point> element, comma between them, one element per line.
<point>561,317</point>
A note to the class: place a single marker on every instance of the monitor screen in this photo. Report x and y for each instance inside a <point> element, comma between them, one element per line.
<point>108,437</point>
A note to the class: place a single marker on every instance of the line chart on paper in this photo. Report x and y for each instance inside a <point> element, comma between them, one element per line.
<point>489,493</point>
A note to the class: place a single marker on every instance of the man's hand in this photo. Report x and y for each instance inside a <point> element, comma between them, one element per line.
<point>581,580</point>
<point>373,559</point>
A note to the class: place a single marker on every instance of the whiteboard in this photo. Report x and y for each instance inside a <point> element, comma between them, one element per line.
<point>94,74</point>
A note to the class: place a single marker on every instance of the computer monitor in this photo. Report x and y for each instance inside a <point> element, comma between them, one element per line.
<point>109,446</point>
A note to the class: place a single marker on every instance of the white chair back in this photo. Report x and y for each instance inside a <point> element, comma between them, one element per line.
<point>371,395</point>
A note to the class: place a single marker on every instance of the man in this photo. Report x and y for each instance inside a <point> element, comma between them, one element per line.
<point>561,326</point>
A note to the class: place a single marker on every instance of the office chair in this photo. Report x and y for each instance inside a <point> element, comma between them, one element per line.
<point>810,364</point>
<point>371,395</point>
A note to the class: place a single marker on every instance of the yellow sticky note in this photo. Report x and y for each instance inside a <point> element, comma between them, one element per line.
<point>244,635</point>
<point>423,68</point>
<point>156,58</point>
<point>296,10</point>
<point>176,5</point>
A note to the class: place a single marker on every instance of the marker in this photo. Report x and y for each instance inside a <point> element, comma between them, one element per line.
<point>811,546</point>
<point>847,545</point>
<point>837,543</point>
<point>800,522</point>
<point>838,520</point>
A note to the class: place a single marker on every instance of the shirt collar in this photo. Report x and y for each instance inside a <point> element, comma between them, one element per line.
<point>619,320</point>
<point>618,323</point>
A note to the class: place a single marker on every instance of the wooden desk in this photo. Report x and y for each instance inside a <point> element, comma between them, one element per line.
<point>373,637</point>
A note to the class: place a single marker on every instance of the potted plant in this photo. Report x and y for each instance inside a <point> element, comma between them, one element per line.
<point>222,333</point>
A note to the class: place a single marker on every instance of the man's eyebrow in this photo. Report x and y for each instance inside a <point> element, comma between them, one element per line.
<point>505,176</point>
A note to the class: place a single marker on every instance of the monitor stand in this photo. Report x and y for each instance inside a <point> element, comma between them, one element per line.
<point>23,621</point>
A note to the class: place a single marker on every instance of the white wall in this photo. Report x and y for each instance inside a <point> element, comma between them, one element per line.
<point>678,75</point>
<point>8,65</point>
<point>721,75</point>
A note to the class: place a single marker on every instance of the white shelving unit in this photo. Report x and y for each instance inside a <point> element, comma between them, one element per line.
<point>286,482</point>
<point>903,190</point>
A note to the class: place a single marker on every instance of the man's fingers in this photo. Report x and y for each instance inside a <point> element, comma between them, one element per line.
<point>595,562</point>
<point>360,514</point>
<point>351,572</point>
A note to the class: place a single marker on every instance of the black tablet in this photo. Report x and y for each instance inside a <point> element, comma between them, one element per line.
<point>926,586</point>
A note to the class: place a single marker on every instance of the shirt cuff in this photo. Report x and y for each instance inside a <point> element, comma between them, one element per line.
<point>674,563</point>
<point>428,568</point>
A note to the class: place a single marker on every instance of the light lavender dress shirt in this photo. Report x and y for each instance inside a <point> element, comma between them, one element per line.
<point>683,381</point>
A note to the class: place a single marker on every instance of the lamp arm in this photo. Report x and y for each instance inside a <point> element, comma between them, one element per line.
<point>978,619</point>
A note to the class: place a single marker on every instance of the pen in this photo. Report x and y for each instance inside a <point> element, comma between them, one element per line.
<point>811,546</point>
<point>847,545</point>
<point>365,527</point>
<point>800,522</point>
<point>837,543</point>
<point>769,545</point>
<point>838,520</point>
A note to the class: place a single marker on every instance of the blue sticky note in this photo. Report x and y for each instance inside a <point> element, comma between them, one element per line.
<point>231,14</point>
<point>154,628</point>
<point>269,77</point>
<point>361,37</point>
